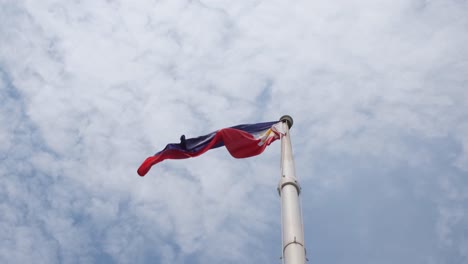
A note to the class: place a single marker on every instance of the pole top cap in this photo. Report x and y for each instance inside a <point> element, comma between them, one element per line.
<point>288,119</point>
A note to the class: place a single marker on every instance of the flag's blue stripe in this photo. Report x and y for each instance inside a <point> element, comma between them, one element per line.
<point>198,143</point>
<point>253,128</point>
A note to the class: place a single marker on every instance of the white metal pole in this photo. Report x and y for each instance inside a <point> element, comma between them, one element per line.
<point>289,190</point>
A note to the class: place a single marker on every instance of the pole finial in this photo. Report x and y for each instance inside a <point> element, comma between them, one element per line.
<point>288,119</point>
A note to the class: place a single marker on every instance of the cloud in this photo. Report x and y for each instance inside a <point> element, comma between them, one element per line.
<point>89,89</point>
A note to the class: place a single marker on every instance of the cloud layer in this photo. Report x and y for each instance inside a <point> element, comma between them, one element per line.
<point>88,89</point>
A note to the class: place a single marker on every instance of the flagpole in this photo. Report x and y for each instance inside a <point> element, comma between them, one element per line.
<point>289,190</point>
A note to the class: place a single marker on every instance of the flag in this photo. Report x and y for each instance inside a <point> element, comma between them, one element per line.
<point>242,141</point>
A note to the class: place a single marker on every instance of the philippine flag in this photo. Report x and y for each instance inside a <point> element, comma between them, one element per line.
<point>242,141</point>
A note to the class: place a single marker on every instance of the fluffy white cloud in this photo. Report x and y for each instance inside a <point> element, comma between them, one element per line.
<point>88,89</point>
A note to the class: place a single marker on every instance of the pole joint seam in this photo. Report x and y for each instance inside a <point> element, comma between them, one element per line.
<point>293,183</point>
<point>293,242</point>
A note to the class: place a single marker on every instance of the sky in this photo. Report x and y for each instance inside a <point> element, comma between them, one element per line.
<point>378,91</point>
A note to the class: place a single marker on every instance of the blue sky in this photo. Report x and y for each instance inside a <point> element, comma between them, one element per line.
<point>88,89</point>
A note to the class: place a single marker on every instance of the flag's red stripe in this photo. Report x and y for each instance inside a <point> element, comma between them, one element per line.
<point>241,144</point>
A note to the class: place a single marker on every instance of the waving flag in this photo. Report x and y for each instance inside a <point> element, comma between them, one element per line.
<point>241,141</point>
